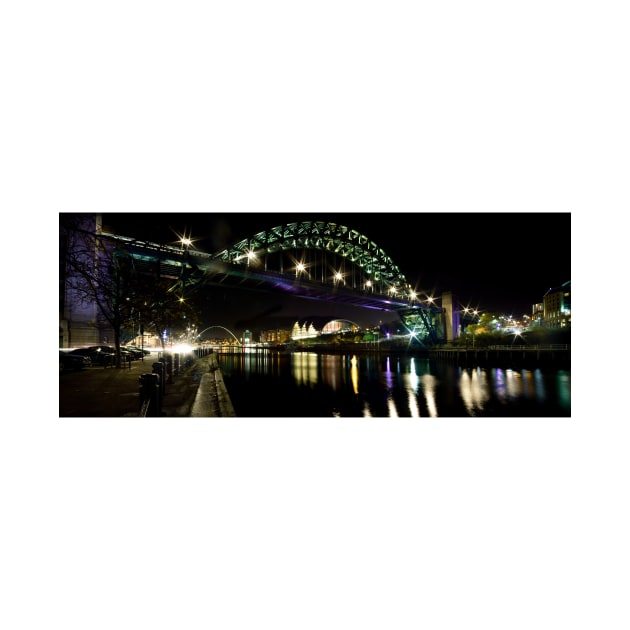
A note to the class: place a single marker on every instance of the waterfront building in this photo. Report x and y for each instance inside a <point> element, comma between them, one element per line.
<point>557,306</point>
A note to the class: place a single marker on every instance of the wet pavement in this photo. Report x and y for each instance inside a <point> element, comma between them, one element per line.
<point>115,392</point>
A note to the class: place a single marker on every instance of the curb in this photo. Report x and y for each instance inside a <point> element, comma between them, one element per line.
<point>212,399</point>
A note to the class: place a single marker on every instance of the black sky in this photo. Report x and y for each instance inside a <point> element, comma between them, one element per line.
<point>501,262</point>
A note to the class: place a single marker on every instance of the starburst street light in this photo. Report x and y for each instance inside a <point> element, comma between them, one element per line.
<point>185,240</point>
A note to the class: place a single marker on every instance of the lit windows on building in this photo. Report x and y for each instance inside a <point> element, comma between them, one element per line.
<point>557,306</point>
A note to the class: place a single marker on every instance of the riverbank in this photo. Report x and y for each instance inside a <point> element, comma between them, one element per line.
<point>558,356</point>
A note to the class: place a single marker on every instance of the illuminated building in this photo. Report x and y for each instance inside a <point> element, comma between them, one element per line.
<point>557,306</point>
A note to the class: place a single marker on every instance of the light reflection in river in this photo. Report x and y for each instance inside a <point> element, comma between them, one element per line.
<point>411,385</point>
<point>390,386</point>
<point>529,389</point>
<point>388,375</point>
<point>513,384</point>
<point>354,374</point>
<point>498,384</point>
<point>429,386</point>
<point>564,389</point>
<point>304,366</point>
<point>388,378</point>
<point>331,371</point>
<point>539,385</point>
<point>473,387</point>
<point>391,407</point>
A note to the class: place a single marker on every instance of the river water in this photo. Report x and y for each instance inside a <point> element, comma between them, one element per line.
<point>308,384</point>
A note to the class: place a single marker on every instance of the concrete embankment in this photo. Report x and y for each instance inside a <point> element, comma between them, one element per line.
<point>212,399</point>
<point>508,356</point>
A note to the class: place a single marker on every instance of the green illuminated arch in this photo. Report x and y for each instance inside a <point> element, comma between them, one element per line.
<point>330,239</point>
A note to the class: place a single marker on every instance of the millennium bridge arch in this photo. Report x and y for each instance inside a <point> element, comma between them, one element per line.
<point>223,328</point>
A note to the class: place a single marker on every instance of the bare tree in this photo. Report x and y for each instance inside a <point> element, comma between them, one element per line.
<point>100,272</point>
<point>97,272</point>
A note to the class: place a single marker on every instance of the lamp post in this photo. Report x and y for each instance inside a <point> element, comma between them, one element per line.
<point>141,331</point>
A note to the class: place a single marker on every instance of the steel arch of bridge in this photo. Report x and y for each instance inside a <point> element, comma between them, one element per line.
<point>331,239</point>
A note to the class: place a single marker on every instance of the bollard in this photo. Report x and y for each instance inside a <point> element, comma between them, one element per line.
<point>168,358</point>
<point>159,369</point>
<point>162,360</point>
<point>150,398</point>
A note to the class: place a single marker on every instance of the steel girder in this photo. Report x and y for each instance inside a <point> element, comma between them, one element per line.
<point>424,323</point>
<point>325,237</point>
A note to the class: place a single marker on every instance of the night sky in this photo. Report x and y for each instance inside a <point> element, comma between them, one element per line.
<point>500,262</point>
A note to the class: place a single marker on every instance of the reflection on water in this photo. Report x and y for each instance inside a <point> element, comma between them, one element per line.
<point>304,366</point>
<point>354,374</point>
<point>474,389</point>
<point>411,381</point>
<point>564,389</point>
<point>429,388</point>
<point>308,384</point>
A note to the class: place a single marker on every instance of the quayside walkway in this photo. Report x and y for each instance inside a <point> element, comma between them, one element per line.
<point>196,390</point>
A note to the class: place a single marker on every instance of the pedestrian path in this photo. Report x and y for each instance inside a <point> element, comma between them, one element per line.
<point>115,392</point>
<point>212,399</point>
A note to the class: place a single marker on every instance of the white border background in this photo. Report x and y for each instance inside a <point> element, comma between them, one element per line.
<point>280,106</point>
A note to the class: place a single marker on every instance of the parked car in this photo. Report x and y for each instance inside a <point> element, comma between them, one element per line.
<point>139,350</point>
<point>136,353</point>
<point>102,355</point>
<point>69,361</point>
<point>98,357</point>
